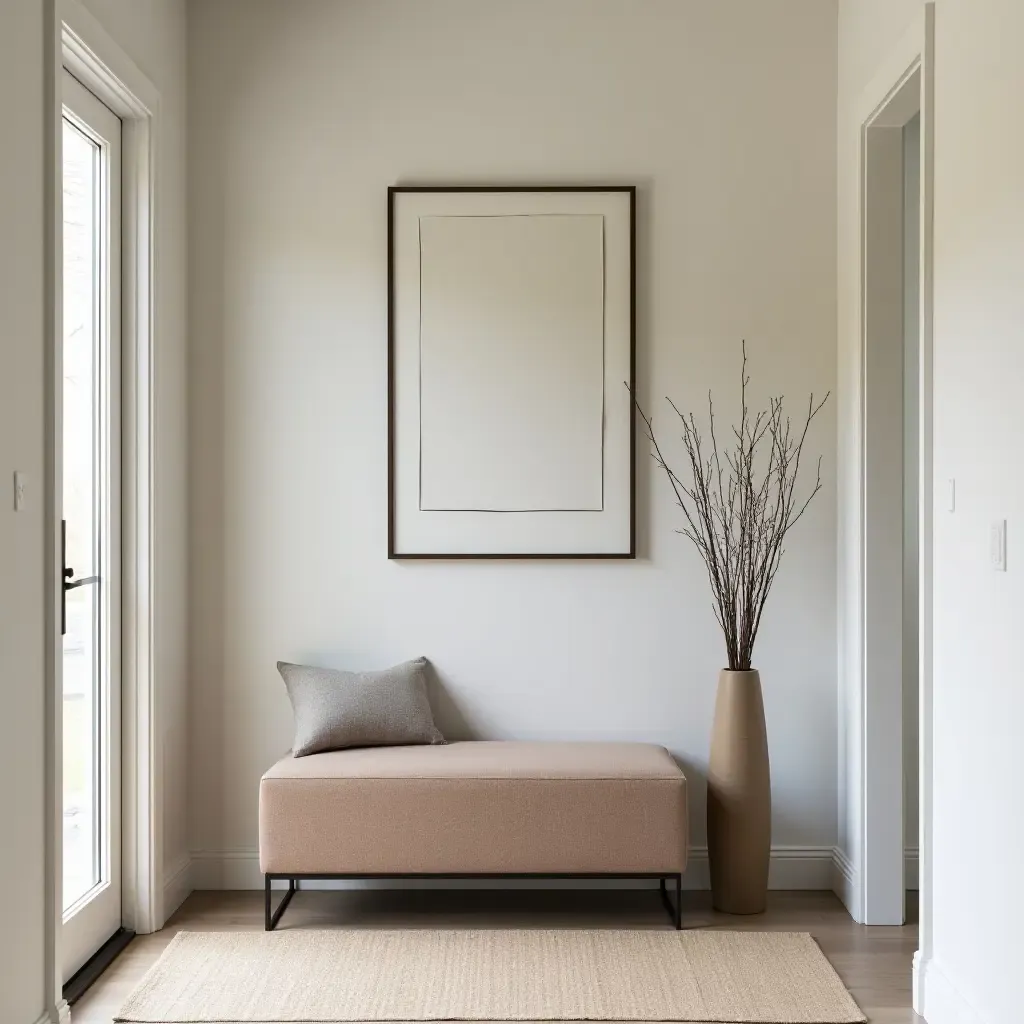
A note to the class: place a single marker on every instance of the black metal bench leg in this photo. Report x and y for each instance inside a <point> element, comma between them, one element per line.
<point>270,919</point>
<point>675,913</point>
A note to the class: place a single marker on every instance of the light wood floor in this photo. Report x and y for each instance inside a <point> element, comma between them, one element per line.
<point>873,962</point>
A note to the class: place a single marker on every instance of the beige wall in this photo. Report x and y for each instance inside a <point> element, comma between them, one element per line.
<point>868,30</point>
<point>300,115</point>
<point>152,33</point>
<point>23,987</point>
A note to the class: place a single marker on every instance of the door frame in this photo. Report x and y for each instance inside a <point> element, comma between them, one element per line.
<point>882,841</point>
<point>92,920</point>
<point>872,747</point>
<point>82,46</point>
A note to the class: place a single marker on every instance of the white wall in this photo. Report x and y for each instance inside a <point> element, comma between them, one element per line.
<point>23,44</point>
<point>979,370</point>
<point>152,33</point>
<point>300,116</point>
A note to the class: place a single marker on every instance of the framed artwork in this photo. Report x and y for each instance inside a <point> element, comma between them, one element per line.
<point>511,342</point>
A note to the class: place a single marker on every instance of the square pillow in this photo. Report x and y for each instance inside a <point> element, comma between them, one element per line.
<point>335,710</point>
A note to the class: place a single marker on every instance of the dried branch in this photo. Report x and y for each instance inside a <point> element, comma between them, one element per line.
<point>739,503</point>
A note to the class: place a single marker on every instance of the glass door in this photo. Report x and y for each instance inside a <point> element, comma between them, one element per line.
<point>90,463</point>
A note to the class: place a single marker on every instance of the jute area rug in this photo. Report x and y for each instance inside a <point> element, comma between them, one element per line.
<point>433,975</point>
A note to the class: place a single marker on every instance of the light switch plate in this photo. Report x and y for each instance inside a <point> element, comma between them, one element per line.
<point>19,491</point>
<point>951,504</point>
<point>998,545</point>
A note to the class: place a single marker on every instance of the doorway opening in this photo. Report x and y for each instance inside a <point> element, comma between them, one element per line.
<point>893,469</point>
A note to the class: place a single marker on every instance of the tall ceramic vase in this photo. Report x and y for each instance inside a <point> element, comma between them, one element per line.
<point>739,796</point>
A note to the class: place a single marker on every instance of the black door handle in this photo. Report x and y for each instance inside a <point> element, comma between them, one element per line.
<point>72,584</point>
<point>67,583</point>
<point>65,574</point>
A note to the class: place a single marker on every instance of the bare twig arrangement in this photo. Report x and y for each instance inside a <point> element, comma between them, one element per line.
<point>740,502</point>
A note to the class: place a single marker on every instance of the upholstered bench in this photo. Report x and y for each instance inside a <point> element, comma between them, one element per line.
<point>481,809</point>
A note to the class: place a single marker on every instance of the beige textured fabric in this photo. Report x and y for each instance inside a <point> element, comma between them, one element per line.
<point>487,759</point>
<point>415,975</point>
<point>479,807</point>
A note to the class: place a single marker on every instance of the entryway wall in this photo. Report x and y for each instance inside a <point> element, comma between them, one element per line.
<point>978,699</point>
<point>27,990</point>
<point>303,114</point>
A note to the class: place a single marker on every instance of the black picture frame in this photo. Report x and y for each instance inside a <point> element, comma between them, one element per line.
<point>396,190</point>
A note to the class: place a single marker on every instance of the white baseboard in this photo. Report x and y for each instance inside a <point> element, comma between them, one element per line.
<point>911,871</point>
<point>917,972</point>
<point>178,884</point>
<point>846,882</point>
<point>792,867</point>
<point>938,1000</point>
<point>59,1015</point>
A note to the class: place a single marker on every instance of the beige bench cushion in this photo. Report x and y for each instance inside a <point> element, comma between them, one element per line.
<point>477,807</point>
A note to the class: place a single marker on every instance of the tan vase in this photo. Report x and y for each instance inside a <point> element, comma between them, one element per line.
<point>739,796</point>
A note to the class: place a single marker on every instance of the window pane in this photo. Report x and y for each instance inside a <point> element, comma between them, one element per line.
<point>81,507</point>
<point>81,749</point>
<point>81,294</point>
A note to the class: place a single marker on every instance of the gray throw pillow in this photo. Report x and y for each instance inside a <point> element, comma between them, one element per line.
<point>335,710</point>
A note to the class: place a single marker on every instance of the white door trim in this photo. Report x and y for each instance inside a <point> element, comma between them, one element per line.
<point>881,852</point>
<point>100,64</point>
<point>82,45</point>
<point>915,52</point>
<point>57,1010</point>
<point>97,914</point>
<point>924,953</point>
